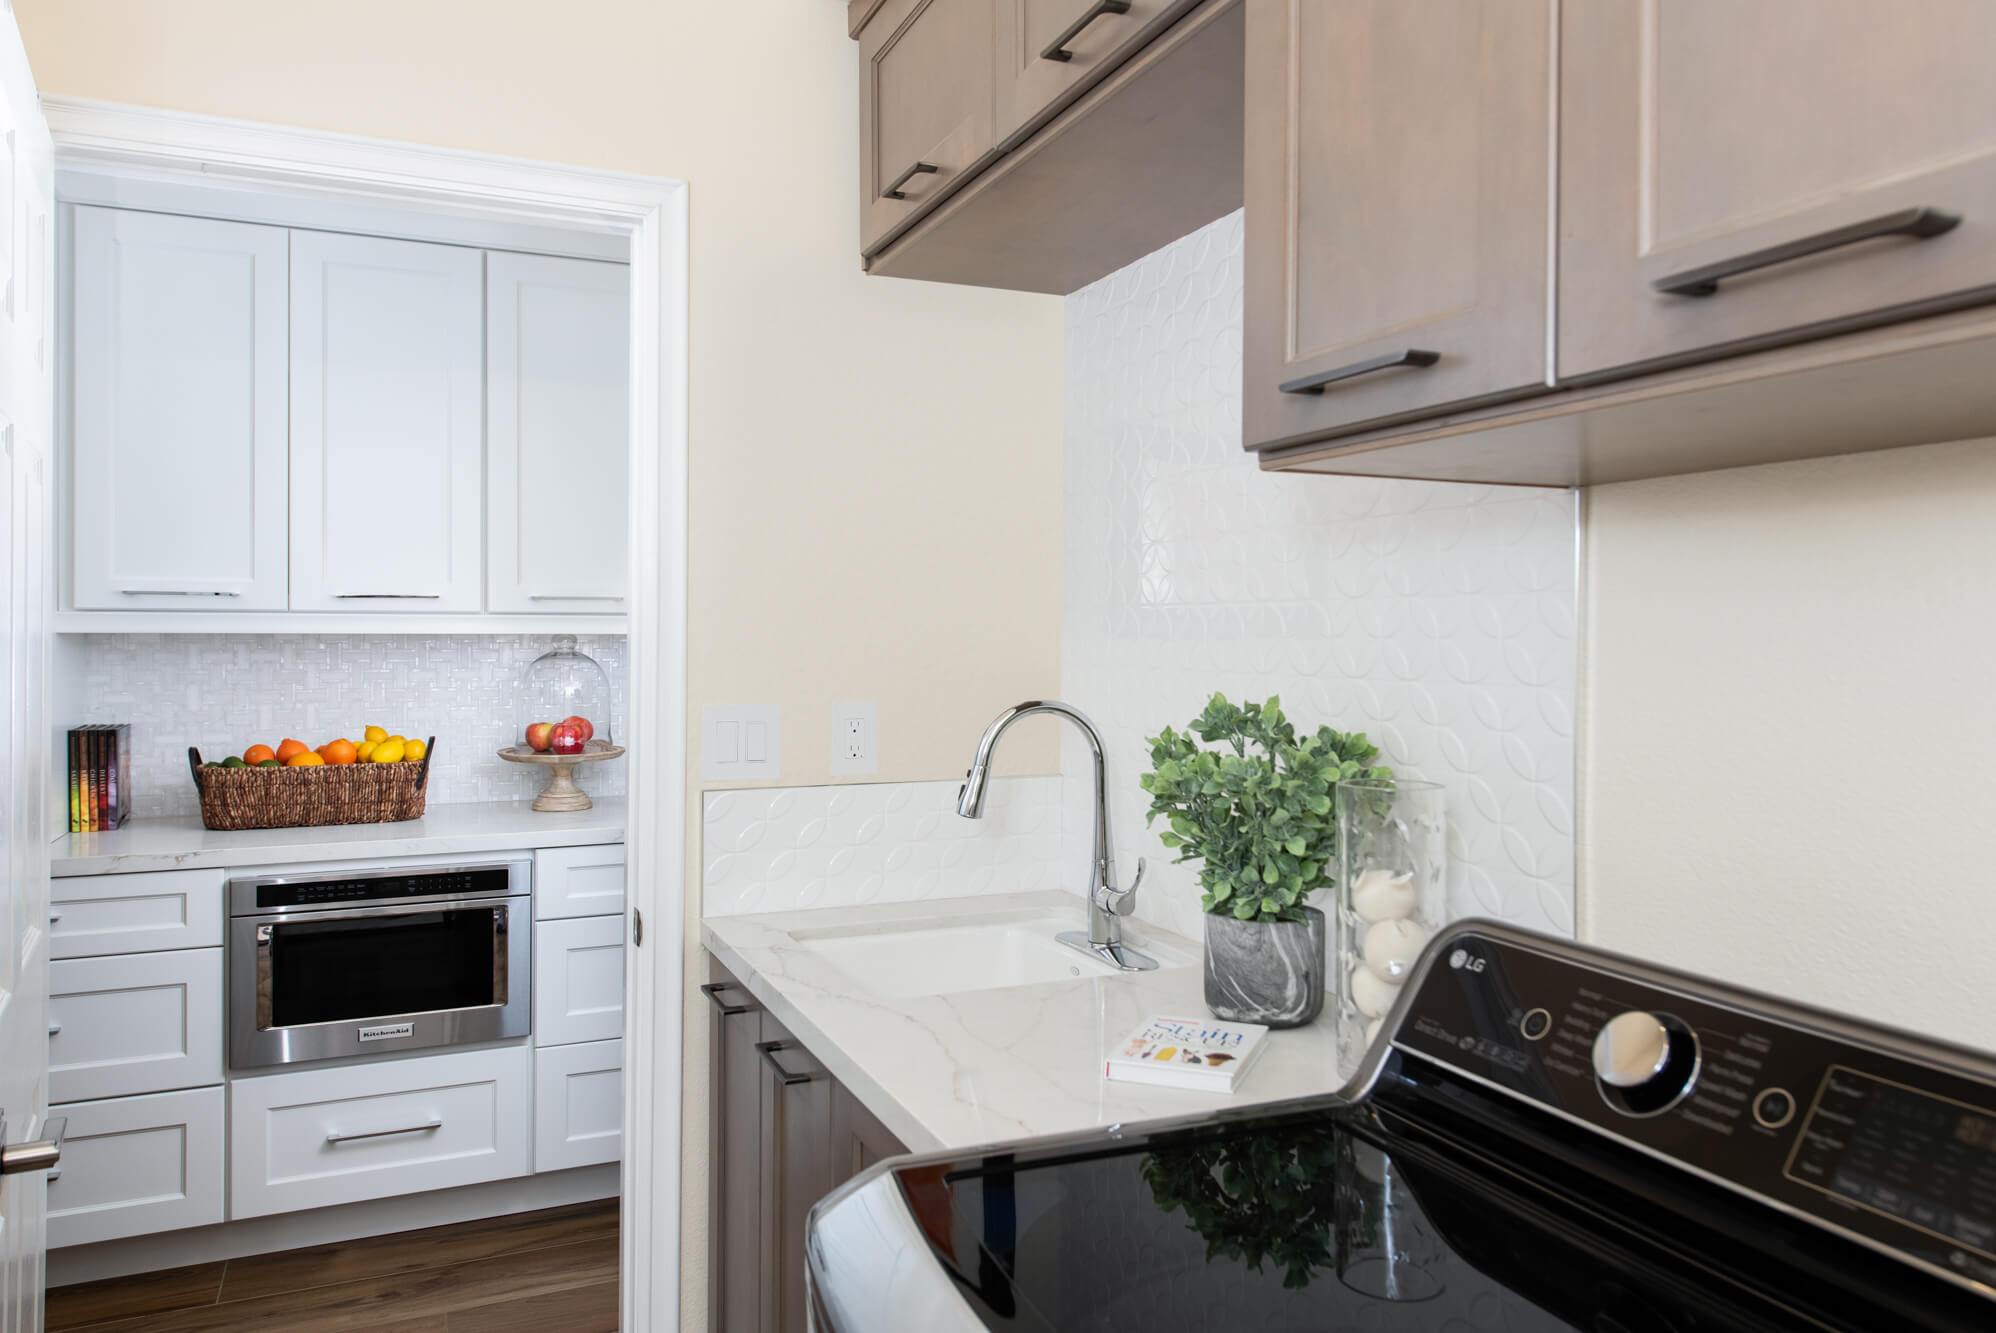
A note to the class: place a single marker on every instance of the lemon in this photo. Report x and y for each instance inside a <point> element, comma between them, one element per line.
<point>413,750</point>
<point>389,751</point>
<point>375,734</point>
<point>365,750</point>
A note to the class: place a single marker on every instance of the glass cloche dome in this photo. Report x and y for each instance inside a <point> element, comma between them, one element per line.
<point>563,692</point>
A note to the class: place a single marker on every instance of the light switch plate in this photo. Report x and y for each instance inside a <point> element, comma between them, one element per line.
<point>855,744</point>
<point>741,742</point>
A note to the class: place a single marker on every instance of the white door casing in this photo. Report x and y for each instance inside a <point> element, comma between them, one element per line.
<point>27,414</point>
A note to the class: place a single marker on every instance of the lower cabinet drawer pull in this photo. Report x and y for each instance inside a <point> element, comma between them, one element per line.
<point>1413,356</point>
<point>712,990</point>
<point>54,1027</point>
<point>337,1137</point>
<point>784,1076</point>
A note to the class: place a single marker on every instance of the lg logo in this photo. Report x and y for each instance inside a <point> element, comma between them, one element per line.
<point>1462,958</point>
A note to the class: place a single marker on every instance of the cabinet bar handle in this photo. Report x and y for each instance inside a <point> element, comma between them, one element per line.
<point>175,592</point>
<point>387,596</point>
<point>55,1028</point>
<point>1413,356</point>
<point>1919,223</point>
<point>570,597</point>
<point>894,190</point>
<point>783,1076</point>
<point>337,1137</point>
<point>712,990</point>
<point>1057,48</point>
<point>54,916</point>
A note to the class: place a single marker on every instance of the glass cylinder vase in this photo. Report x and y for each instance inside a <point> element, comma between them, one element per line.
<point>1392,898</point>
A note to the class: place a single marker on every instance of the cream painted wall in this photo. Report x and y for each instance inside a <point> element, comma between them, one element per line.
<point>875,464</point>
<point>1789,772</point>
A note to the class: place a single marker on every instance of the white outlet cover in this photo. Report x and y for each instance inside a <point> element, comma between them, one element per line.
<point>844,717</point>
<point>741,742</point>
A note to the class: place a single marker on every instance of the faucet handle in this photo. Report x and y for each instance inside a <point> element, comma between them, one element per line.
<point>1121,902</point>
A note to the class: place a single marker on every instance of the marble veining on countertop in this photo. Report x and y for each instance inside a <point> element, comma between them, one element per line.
<point>956,1071</point>
<point>179,842</point>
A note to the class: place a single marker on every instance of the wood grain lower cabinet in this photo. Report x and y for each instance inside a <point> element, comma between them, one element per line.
<point>1397,181</point>
<point>784,1134</point>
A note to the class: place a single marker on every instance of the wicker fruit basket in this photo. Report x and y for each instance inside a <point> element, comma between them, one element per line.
<point>242,798</point>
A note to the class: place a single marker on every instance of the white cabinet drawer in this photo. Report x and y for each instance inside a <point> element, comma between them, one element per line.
<point>578,980</point>
<point>369,1131</point>
<point>163,909</point>
<point>578,881</point>
<point>578,1105</point>
<point>137,1165</point>
<point>146,1023</point>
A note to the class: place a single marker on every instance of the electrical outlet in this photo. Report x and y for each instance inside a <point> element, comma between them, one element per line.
<point>855,748</point>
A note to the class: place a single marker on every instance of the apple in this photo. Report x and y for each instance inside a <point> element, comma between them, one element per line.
<point>540,736</point>
<point>566,738</point>
<point>588,731</point>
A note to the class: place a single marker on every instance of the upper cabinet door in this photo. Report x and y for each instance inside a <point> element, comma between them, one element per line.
<point>557,395</point>
<point>386,339</point>
<point>178,421</point>
<point>1737,173</point>
<point>1046,47</point>
<point>1397,179</point>
<point>925,105</point>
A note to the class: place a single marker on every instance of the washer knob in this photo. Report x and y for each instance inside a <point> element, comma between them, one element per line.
<point>1645,1062</point>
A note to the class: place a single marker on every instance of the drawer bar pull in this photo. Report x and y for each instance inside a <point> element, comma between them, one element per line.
<point>55,1028</point>
<point>1057,48</point>
<point>783,1076</point>
<point>54,916</point>
<point>571,597</point>
<point>337,1137</point>
<point>1413,356</point>
<point>712,990</point>
<point>176,592</point>
<point>387,596</point>
<point>1919,223</point>
<point>894,190</point>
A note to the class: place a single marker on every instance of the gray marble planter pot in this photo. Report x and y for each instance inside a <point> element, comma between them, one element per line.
<point>1265,971</point>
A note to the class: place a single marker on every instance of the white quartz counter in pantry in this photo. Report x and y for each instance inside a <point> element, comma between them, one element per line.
<point>181,843</point>
<point>958,1070</point>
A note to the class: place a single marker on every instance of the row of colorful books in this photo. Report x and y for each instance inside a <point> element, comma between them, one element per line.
<point>100,776</point>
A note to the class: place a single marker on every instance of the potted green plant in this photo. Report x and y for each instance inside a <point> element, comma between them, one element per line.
<point>1253,804</point>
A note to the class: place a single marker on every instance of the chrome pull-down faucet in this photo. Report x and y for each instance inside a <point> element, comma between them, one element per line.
<point>1108,904</point>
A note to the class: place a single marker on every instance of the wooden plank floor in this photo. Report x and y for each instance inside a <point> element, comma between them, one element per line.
<point>542,1271</point>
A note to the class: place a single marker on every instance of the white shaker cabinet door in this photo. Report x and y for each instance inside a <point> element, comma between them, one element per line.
<point>558,421</point>
<point>386,364</point>
<point>179,346</point>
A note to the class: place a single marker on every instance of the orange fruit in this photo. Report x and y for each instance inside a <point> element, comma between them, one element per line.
<point>304,759</point>
<point>290,748</point>
<point>256,754</point>
<point>341,751</point>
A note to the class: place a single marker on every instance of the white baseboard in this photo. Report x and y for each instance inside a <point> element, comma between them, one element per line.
<point>323,1226</point>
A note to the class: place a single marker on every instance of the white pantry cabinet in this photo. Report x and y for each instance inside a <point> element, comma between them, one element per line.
<point>386,423</point>
<point>578,980</point>
<point>557,401</point>
<point>578,1105</point>
<point>144,1022</point>
<point>178,425</point>
<point>135,1165</point>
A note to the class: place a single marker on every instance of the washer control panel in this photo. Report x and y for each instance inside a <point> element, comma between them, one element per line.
<point>1863,1129</point>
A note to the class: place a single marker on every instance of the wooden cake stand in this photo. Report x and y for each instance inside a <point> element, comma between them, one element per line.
<point>561,793</point>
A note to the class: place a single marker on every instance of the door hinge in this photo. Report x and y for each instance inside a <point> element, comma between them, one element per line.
<point>637,927</point>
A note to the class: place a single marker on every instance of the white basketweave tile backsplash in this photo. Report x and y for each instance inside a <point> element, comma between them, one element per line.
<point>1439,619</point>
<point>782,849</point>
<point>223,692</point>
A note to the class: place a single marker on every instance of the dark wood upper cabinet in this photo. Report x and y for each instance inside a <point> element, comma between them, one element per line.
<point>1398,191</point>
<point>1048,48</point>
<point>1828,165</point>
<point>926,112</point>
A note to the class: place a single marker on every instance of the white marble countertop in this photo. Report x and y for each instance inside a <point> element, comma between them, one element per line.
<point>956,1071</point>
<point>180,843</point>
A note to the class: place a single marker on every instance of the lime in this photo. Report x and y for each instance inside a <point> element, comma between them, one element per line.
<point>234,761</point>
<point>271,763</point>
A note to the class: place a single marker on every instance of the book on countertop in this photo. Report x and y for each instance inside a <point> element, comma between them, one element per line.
<point>1201,1053</point>
<point>100,776</point>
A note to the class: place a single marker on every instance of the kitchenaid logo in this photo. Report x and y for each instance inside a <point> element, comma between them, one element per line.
<point>1462,959</point>
<point>388,1030</point>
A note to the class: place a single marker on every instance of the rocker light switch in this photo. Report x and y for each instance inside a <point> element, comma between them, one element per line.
<point>740,742</point>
